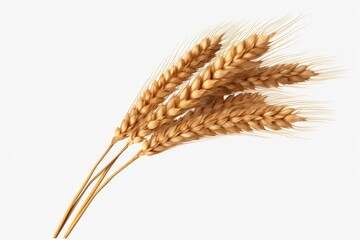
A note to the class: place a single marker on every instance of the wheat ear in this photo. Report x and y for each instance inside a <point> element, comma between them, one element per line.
<point>259,116</point>
<point>266,77</point>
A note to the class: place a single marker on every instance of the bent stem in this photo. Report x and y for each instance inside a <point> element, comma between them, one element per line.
<point>96,190</point>
<point>71,206</point>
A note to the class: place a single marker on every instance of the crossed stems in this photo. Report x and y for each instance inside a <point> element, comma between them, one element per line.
<point>96,189</point>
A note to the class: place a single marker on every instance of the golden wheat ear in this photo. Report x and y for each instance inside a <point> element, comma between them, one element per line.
<point>267,77</point>
<point>230,116</point>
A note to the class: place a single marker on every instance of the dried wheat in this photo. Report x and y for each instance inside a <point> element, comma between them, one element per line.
<point>179,107</point>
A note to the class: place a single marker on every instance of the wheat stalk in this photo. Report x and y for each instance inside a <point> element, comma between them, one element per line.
<point>187,103</point>
<point>82,190</point>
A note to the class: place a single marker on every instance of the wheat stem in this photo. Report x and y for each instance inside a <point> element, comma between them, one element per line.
<point>90,194</point>
<point>74,201</point>
<point>107,167</point>
<point>95,191</point>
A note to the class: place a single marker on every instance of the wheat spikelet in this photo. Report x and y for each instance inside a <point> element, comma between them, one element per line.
<point>274,76</point>
<point>236,60</point>
<point>168,81</point>
<point>224,120</point>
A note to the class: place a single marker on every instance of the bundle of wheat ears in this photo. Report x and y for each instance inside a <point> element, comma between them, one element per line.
<point>213,89</point>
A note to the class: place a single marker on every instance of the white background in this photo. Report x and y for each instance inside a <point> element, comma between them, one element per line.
<point>69,70</point>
